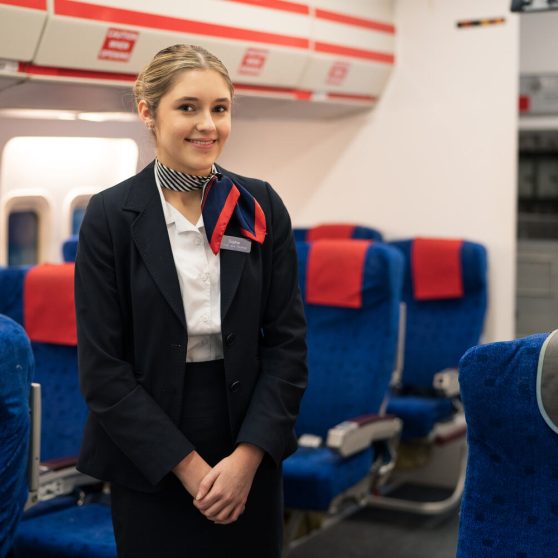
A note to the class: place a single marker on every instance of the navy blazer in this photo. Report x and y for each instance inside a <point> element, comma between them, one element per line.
<point>132,334</point>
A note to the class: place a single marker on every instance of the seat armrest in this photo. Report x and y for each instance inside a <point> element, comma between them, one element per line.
<point>446,382</point>
<point>354,435</point>
<point>59,463</point>
<point>34,445</point>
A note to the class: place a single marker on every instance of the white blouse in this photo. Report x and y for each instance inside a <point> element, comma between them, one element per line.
<point>198,270</point>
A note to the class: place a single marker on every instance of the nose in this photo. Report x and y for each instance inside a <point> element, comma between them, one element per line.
<point>205,122</point>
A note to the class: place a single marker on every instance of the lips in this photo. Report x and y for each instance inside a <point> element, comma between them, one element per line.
<point>202,143</point>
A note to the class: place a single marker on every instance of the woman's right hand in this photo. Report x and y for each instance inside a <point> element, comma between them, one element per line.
<point>190,472</point>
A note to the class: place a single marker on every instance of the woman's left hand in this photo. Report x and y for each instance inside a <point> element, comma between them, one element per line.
<point>224,490</point>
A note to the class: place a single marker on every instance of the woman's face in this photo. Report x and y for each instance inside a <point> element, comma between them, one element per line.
<point>193,121</point>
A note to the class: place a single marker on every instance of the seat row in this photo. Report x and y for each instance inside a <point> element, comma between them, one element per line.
<point>352,292</point>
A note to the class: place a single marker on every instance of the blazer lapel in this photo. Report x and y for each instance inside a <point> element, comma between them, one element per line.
<point>150,235</point>
<point>232,263</point>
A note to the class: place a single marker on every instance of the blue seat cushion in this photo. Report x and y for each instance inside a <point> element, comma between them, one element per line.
<point>419,414</point>
<point>84,531</point>
<point>69,249</point>
<point>313,477</point>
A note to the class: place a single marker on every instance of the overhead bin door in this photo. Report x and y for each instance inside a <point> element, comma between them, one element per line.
<point>353,45</point>
<point>258,45</point>
<point>21,23</point>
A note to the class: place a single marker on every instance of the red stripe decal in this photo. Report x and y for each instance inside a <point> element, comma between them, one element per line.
<point>153,21</point>
<point>352,97</point>
<point>355,21</point>
<point>34,4</point>
<point>281,5</point>
<point>73,73</point>
<point>355,52</point>
<point>299,94</point>
<point>224,218</point>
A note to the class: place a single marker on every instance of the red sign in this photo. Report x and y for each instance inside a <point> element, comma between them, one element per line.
<point>118,45</point>
<point>253,62</point>
<point>337,73</point>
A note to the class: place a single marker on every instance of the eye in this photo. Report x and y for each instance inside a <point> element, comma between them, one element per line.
<point>187,108</point>
<point>220,108</point>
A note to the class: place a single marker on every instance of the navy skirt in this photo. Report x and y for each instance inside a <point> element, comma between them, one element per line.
<point>167,524</point>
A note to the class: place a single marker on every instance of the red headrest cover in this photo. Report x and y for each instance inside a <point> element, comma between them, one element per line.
<point>325,232</point>
<point>436,269</point>
<point>334,272</point>
<point>48,304</point>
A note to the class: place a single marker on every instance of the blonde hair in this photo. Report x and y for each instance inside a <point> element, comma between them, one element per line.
<point>160,74</point>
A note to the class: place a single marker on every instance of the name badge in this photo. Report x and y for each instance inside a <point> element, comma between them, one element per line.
<point>236,243</point>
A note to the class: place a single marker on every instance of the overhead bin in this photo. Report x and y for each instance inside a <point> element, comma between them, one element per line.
<point>123,35</point>
<point>307,51</point>
<point>352,51</point>
<point>21,24</point>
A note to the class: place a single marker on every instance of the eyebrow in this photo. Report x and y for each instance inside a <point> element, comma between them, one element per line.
<point>220,100</point>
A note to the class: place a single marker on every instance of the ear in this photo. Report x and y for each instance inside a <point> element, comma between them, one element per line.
<point>145,114</point>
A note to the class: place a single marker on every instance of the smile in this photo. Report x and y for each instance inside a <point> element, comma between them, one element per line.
<point>203,143</point>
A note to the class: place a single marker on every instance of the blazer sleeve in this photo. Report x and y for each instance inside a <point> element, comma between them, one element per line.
<point>124,409</point>
<point>275,402</point>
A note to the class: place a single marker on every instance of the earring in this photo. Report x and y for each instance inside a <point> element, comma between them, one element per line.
<point>149,125</point>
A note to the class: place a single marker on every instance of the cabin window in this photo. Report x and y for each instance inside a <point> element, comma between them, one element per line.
<point>23,238</point>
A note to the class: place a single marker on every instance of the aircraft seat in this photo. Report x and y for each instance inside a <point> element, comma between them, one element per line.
<point>445,295</point>
<point>11,292</point>
<point>44,303</point>
<point>16,371</point>
<point>510,396</point>
<point>351,291</point>
<point>71,532</point>
<point>69,249</point>
<point>330,231</point>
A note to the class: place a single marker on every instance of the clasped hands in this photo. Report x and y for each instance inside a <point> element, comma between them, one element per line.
<point>220,493</point>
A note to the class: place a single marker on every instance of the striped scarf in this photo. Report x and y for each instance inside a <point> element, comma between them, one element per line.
<point>221,201</point>
<point>180,181</point>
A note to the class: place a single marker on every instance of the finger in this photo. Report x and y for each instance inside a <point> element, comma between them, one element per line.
<point>225,515</point>
<point>236,513</point>
<point>212,498</point>
<point>219,507</point>
<point>207,483</point>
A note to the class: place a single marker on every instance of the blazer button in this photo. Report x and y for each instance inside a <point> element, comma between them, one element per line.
<point>229,339</point>
<point>235,386</point>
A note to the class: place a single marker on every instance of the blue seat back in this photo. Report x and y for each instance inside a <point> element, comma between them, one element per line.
<point>438,332</point>
<point>510,503</point>
<point>351,351</point>
<point>11,292</point>
<point>63,409</point>
<point>359,232</point>
<point>16,372</point>
<point>69,249</point>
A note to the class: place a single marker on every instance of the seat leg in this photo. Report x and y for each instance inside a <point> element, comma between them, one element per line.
<point>454,454</point>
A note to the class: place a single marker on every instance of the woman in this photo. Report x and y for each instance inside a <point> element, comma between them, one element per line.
<point>191,333</point>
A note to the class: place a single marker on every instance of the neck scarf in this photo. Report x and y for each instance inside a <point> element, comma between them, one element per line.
<point>222,200</point>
